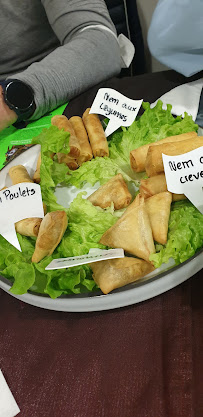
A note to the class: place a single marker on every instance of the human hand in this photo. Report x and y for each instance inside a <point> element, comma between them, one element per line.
<point>7,116</point>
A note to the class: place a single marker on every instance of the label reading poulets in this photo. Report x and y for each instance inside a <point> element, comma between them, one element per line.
<point>18,202</point>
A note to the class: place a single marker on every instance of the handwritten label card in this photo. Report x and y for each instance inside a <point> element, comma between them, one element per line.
<point>94,255</point>
<point>120,110</point>
<point>18,202</point>
<point>184,175</point>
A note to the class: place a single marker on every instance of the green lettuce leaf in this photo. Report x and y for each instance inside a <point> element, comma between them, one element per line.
<point>185,235</point>
<point>17,265</point>
<point>97,170</point>
<point>52,141</point>
<point>86,225</point>
<point>23,274</point>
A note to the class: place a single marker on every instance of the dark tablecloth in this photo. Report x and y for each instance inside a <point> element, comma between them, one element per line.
<point>143,360</point>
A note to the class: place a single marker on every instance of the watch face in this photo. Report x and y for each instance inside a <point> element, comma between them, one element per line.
<point>19,95</point>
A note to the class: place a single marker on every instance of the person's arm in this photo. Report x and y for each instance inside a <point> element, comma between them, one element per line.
<point>84,58</point>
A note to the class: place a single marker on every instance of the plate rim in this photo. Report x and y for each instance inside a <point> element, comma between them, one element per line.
<point>173,277</point>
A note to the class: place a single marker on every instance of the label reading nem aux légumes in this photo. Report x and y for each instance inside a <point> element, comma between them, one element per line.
<point>120,110</point>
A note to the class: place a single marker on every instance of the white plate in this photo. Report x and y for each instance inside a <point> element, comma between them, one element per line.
<point>158,282</point>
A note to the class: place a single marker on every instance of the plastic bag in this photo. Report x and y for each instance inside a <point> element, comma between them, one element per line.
<point>175,36</point>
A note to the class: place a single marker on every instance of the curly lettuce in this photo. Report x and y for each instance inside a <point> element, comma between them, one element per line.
<point>185,235</point>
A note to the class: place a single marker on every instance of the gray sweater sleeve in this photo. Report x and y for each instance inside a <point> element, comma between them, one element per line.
<point>83,59</point>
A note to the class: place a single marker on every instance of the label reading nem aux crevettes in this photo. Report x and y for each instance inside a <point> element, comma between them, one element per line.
<point>184,175</point>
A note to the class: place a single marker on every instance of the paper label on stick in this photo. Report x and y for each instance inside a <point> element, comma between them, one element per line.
<point>184,175</point>
<point>8,405</point>
<point>94,255</point>
<point>18,202</point>
<point>120,110</point>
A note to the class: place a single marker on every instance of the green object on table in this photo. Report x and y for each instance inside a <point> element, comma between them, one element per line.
<point>15,137</point>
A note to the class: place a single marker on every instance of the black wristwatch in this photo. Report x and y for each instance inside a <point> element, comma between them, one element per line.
<point>19,97</point>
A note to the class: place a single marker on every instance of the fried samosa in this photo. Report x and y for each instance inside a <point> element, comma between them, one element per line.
<point>52,229</point>
<point>132,232</point>
<point>155,185</point>
<point>115,190</point>
<point>115,273</point>
<point>158,208</point>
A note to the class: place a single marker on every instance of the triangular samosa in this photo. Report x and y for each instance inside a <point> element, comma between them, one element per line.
<point>158,208</point>
<point>115,273</point>
<point>115,190</point>
<point>132,231</point>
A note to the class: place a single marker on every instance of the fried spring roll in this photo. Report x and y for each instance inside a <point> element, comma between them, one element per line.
<point>96,134</point>
<point>115,273</point>
<point>28,227</point>
<point>19,174</point>
<point>154,162</point>
<point>115,190</point>
<point>63,123</point>
<point>36,177</point>
<point>52,229</point>
<point>155,185</point>
<point>138,156</point>
<point>81,134</point>
<point>68,160</point>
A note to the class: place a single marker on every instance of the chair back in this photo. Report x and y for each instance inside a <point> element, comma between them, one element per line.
<point>125,17</point>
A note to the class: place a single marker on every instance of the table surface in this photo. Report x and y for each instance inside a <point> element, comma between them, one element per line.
<point>138,361</point>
